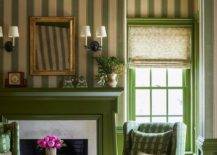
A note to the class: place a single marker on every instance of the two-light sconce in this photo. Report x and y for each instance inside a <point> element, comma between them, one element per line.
<point>93,45</point>
<point>12,33</point>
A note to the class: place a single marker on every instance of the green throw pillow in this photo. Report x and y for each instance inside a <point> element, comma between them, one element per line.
<point>4,142</point>
<point>150,143</point>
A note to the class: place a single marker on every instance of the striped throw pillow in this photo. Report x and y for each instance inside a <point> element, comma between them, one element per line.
<point>150,143</point>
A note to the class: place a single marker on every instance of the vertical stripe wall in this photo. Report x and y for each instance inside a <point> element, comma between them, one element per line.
<point>111,13</point>
<point>87,12</point>
<point>161,8</point>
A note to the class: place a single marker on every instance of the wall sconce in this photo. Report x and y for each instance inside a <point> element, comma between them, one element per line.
<point>93,45</point>
<point>13,33</point>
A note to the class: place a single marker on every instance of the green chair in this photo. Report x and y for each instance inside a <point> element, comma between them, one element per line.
<point>13,129</point>
<point>177,142</point>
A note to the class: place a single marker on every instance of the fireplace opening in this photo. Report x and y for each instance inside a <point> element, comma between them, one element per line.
<point>80,136</point>
<point>73,147</point>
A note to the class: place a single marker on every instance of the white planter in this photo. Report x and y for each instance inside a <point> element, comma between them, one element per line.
<point>112,80</point>
<point>51,151</point>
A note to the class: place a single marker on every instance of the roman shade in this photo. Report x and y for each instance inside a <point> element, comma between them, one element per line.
<point>159,46</point>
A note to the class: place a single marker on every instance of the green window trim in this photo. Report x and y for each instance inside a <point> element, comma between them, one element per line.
<point>190,93</point>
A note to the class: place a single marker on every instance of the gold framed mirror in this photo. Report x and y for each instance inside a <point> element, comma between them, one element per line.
<point>52,46</point>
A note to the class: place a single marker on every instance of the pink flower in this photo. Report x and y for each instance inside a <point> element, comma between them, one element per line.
<point>52,138</point>
<point>47,138</point>
<point>50,143</point>
<point>42,143</point>
<point>39,141</point>
<point>58,145</point>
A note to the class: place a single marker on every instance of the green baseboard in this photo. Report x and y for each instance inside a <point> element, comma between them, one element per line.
<point>206,146</point>
<point>120,140</point>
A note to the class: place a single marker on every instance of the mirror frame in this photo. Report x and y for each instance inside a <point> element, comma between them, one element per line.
<point>71,35</point>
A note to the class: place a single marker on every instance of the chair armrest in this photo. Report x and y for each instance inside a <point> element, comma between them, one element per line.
<point>127,128</point>
<point>179,139</point>
<point>15,141</point>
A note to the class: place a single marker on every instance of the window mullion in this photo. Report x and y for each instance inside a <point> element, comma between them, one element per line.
<point>150,95</point>
<point>167,104</point>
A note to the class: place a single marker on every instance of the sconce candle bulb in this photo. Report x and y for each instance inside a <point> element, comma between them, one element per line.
<point>101,33</point>
<point>1,32</point>
<point>93,45</point>
<point>13,33</point>
<point>85,32</point>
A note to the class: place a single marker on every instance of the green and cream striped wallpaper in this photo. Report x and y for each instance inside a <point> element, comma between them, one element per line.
<point>161,8</point>
<point>110,13</point>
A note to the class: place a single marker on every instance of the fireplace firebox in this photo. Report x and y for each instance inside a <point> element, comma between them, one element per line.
<point>73,147</point>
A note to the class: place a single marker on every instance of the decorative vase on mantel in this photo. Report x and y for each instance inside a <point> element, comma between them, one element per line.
<point>51,151</point>
<point>112,80</point>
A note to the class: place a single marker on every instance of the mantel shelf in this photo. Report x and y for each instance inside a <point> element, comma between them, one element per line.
<point>72,92</point>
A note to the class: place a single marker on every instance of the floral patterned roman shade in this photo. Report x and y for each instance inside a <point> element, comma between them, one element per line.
<point>155,46</point>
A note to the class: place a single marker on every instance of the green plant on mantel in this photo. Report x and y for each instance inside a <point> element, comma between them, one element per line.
<point>106,66</point>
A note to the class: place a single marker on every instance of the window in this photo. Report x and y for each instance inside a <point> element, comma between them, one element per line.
<point>160,73</point>
<point>159,94</point>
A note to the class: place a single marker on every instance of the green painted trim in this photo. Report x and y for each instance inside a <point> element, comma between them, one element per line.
<point>207,146</point>
<point>188,109</point>
<point>64,104</point>
<point>131,111</point>
<point>67,92</point>
<point>119,130</point>
<point>195,80</point>
<point>120,143</point>
<point>160,21</point>
<point>196,76</point>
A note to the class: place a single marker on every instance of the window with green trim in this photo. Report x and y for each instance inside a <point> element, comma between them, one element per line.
<point>159,80</point>
<point>160,94</point>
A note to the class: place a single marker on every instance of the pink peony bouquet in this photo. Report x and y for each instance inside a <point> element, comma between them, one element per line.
<point>50,141</point>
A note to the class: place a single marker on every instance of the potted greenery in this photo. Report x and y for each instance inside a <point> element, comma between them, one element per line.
<point>108,70</point>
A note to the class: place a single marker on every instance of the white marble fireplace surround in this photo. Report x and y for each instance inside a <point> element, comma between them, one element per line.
<point>65,129</point>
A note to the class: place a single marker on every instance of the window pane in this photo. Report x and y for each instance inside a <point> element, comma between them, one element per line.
<point>159,102</point>
<point>175,102</point>
<point>142,77</point>
<point>159,119</point>
<point>142,102</point>
<point>158,77</point>
<point>175,77</point>
<point>175,119</point>
<point>143,119</point>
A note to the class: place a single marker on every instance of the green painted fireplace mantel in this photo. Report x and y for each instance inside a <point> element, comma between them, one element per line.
<point>98,104</point>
